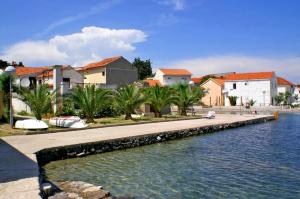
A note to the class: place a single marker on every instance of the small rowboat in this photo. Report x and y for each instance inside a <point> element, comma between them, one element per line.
<point>68,122</point>
<point>31,124</point>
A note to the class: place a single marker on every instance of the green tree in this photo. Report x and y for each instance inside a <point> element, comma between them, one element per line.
<point>91,100</point>
<point>4,87</point>
<point>232,100</point>
<point>186,96</point>
<point>279,98</point>
<point>284,98</point>
<point>128,99</point>
<point>144,68</point>
<point>287,98</point>
<point>159,97</point>
<point>3,64</point>
<point>38,99</point>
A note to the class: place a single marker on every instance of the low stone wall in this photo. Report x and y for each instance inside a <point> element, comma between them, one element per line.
<point>59,153</point>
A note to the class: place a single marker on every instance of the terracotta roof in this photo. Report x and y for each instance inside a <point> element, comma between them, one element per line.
<point>220,81</point>
<point>49,73</point>
<point>249,76</point>
<point>100,64</point>
<point>20,71</point>
<point>197,80</point>
<point>282,81</point>
<point>152,82</point>
<point>175,72</point>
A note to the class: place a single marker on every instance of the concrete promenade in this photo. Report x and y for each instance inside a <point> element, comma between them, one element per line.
<point>18,165</point>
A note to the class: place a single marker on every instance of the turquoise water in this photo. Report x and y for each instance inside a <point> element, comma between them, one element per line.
<point>258,161</point>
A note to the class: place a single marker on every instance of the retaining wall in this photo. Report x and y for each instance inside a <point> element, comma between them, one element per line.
<point>59,153</point>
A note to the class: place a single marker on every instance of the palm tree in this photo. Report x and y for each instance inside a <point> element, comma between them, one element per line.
<point>159,97</point>
<point>90,100</point>
<point>128,99</point>
<point>187,96</point>
<point>38,99</point>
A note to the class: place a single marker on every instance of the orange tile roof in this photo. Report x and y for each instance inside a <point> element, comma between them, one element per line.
<point>100,64</point>
<point>49,73</point>
<point>152,82</point>
<point>220,81</point>
<point>249,76</point>
<point>282,81</point>
<point>197,80</point>
<point>175,72</point>
<point>20,71</point>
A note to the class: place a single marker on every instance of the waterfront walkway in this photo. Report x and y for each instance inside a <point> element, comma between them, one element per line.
<point>18,165</point>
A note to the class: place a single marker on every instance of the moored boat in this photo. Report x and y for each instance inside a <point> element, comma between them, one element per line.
<point>31,124</point>
<point>68,122</point>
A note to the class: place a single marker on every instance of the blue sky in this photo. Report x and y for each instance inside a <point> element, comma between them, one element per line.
<point>204,36</point>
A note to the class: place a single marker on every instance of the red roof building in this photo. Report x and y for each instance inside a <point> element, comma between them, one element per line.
<point>284,82</point>
<point>100,64</point>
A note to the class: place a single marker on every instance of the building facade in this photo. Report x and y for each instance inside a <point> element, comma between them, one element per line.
<point>260,87</point>
<point>168,77</point>
<point>214,88</point>
<point>111,72</point>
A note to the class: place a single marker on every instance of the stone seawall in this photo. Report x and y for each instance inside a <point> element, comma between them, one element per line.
<point>79,150</point>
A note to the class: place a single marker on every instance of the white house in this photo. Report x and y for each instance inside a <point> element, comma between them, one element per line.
<point>260,87</point>
<point>297,94</point>
<point>168,77</point>
<point>31,76</point>
<point>284,85</point>
<point>70,78</point>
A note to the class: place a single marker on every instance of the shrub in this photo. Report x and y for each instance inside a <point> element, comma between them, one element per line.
<point>252,102</point>
<point>232,100</point>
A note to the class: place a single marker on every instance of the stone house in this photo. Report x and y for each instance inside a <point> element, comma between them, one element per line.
<point>110,72</point>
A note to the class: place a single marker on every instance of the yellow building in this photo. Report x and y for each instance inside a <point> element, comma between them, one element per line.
<point>110,72</point>
<point>214,88</point>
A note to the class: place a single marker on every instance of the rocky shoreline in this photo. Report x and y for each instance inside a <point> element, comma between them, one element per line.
<point>82,190</point>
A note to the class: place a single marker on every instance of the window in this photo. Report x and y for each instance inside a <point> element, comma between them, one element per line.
<point>234,85</point>
<point>66,82</point>
<point>169,78</point>
<point>103,73</point>
<point>246,83</point>
<point>183,78</point>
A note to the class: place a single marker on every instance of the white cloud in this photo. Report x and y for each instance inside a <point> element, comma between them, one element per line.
<point>287,67</point>
<point>175,4</point>
<point>91,44</point>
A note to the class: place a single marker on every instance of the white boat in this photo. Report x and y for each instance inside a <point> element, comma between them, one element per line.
<point>210,115</point>
<point>31,124</point>
<point>68,122</point>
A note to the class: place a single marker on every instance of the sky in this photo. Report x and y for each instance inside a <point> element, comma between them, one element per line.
<point>203,36</point>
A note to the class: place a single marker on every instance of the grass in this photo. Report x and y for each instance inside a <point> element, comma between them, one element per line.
<point>5,129</point>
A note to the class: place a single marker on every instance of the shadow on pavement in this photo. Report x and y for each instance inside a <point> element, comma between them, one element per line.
<point>15,165</point>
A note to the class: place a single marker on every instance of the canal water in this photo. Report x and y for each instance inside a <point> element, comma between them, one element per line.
<point>258,161</point>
